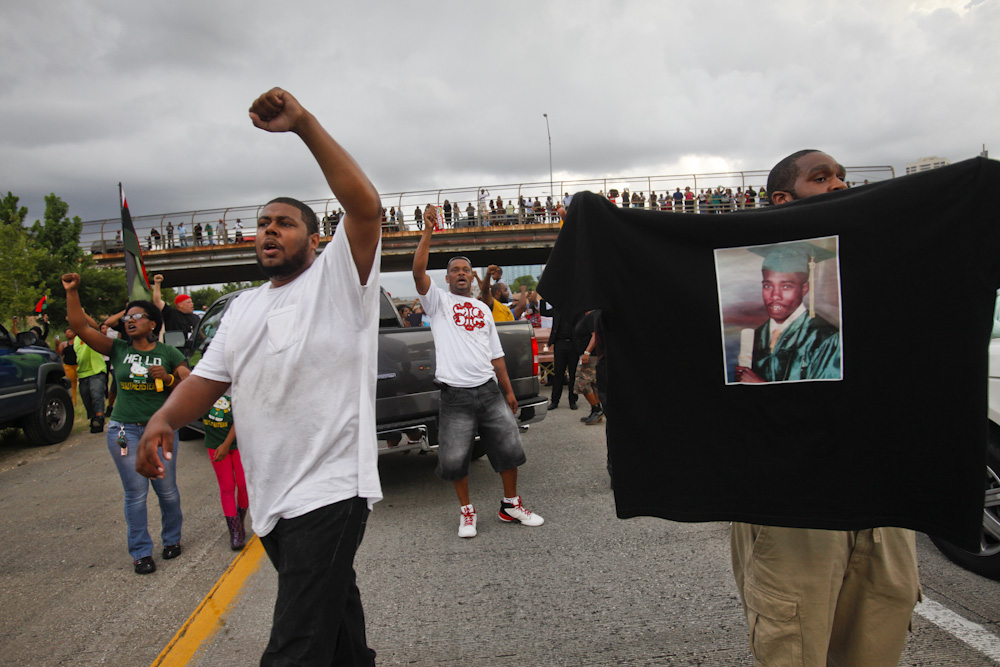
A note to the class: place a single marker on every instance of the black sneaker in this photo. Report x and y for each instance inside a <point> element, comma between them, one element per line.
<point>595,417</point>
<point>553,406</point>
<point>171,551</point>
<point>573,405</point>
<point>144,565</point>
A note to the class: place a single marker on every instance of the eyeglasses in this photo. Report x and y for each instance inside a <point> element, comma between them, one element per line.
<point>136,317</point>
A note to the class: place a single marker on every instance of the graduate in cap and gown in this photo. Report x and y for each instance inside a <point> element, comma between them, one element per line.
<point>795,343</point>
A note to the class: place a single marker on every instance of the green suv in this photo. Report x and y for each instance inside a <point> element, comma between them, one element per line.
<point>34,390</point>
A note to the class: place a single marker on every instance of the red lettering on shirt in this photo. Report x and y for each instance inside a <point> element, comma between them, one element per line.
<point>468,316</point>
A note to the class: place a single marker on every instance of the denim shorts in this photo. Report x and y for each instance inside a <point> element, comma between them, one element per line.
<point>483,410</point>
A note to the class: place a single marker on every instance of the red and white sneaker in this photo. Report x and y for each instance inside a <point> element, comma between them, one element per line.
<point>467,524</point>
<point>510,512</point>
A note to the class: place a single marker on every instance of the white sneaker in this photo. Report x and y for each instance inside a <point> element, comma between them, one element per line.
<point>517,512</point>
<point>467,524</point>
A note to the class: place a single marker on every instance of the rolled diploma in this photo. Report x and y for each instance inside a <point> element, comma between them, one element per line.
<point>746,348</point>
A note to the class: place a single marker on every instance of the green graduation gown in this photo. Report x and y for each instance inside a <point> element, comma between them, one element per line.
<point>808,349</point>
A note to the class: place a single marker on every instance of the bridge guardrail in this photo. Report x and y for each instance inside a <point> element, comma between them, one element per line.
<point>100,236</point>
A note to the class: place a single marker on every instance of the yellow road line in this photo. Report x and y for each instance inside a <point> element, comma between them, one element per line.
<point>204,621</point>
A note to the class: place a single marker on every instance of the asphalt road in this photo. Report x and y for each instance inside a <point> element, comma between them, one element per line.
<point>584,589</point>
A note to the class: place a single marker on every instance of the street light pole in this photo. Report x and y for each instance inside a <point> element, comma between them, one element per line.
<point>547,131</point>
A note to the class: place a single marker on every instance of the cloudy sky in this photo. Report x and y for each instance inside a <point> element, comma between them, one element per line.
<point>451,93</point>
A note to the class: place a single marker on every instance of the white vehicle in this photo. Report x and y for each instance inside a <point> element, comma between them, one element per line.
<point>987,561</point>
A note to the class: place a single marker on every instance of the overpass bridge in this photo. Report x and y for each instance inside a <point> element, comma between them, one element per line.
<point>527,241</point>
<point>507,245</point>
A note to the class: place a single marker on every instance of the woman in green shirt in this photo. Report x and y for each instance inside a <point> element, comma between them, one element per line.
<point>145,372</point>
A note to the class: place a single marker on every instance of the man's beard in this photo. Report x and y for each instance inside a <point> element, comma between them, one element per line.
<point>291,265</point>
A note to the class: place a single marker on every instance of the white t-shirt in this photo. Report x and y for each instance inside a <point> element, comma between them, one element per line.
<point>302,360</point>
<point>465,338</point>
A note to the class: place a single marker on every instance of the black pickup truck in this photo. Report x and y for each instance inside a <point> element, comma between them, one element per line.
<point>407,400</point>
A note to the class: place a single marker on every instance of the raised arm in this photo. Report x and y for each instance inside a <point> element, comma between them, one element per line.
<point>485,292</point>
<point>78,320</point>
<point>112,320</point>
<point>278,111</point>
<point>420,277</point>
<point>92,322</point>
<point>521,304</point>
<point>157,295</point>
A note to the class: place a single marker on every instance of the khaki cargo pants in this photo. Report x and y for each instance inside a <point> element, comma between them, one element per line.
<point>826,597</point>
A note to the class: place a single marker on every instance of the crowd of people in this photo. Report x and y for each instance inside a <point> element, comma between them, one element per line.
<point>122,372</point>
<point>310,510</point>
<point>711,200</point>
<point>489,213</point>
<point>201,235</point>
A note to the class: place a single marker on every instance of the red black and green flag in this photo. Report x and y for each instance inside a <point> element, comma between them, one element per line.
<point>42,304</point>
<point>137,282</point>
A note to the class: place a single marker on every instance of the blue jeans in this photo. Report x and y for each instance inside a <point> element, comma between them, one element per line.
<point>136,487</point>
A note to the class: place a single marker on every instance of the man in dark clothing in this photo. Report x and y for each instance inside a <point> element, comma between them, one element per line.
<point>588,350</point>
<point>179,318</point>
<point>564,355</point>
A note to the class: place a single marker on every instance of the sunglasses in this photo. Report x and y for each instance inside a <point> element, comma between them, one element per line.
<point>136,317</point>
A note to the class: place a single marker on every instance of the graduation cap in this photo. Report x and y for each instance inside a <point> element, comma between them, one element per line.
<point>794,257</point>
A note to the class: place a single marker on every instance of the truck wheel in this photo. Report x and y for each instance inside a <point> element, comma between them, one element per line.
<point>52,420</point>
<point>987,561</point>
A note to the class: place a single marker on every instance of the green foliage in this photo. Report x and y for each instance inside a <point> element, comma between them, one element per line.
<point>102,291</point>
<point>35,259</point>
<point>59,234</point>
<point>204,296</point>
<point>235,287</point>
<point>529,281</point>
<point>21,284</point>
<point>10,214</point>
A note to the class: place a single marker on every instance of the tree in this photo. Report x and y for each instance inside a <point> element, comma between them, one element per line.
<point>204,296</point>
<point>530,282</point>
<point>235,287</point>
<point>20,280</point>
<point>10,214</point>
<point>59,234</point>
<point>103,291</point>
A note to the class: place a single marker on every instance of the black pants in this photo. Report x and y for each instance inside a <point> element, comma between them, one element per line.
<point>318,618</point>
<point>563,359</point>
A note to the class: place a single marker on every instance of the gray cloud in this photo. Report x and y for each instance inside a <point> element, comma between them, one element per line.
<point>452,94</point>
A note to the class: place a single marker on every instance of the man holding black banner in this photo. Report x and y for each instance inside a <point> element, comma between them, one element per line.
<point>822,597</point>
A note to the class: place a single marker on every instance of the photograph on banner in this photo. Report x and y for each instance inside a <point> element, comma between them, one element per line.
<point>780,311</point>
